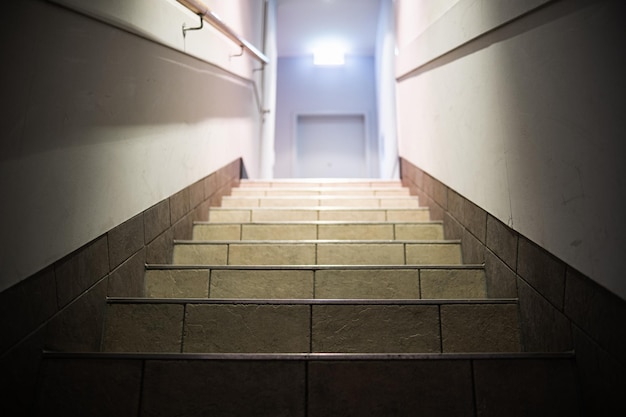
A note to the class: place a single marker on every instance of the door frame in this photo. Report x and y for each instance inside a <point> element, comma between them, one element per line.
<point>294,135</point>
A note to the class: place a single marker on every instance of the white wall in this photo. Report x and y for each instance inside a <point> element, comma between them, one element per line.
<point>99,124</point>
<point>526,121</point>
<point>303,88</point>
<point>386,93</point>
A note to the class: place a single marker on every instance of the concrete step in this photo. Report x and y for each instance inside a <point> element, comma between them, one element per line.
<point>252,215</point>
<point>323,282</point>
<point>313,385</point>
<point>318,230</point>
<point>282,326</point>
<point>321,201</point>
<point>320,183</point>
<point>317,252</point>
<point>319,191</point>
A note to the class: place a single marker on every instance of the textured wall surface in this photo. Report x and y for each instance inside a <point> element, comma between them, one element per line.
<point>519,109</point>
<point>98,124</point>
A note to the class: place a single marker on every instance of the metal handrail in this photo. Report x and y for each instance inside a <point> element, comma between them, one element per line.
<point>207,15</point>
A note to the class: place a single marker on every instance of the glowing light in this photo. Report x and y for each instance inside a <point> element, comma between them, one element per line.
<point>329,54</point>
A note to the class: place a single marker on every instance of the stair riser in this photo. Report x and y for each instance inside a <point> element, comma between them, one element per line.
<point>304,201</point>
<point>223,215</point>
<point>296,388</point>
<point>317,254</point>
<point>319,184</point>
<point>284,192</point>
<point>258,328</point>
<point>335,284</point>
<point>389,231</point>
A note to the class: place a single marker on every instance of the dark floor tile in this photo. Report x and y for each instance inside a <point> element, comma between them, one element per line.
<point>80,270</point>
<point>597,312</point>
<point>156,220</point>
<point>393,388</point>
<point>90,387</point>
<point>502,241</point>
<point>541,270</point>
<point>544,328</point>
<point>25,306</point>
<point>224,388</point>
<point>526,387</point>
<point>127,279</point>
<point>78,327</point>
<point>601,378</point>
<point>125,240</point>
<point>501,280</point>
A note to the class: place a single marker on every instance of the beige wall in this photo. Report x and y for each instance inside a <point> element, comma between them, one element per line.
<point>98,124</point>
<point>518,106</point>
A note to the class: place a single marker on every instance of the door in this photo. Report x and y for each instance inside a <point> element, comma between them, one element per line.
<point>331,146</point>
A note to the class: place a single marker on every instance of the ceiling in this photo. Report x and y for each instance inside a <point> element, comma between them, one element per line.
<point>302,24</point>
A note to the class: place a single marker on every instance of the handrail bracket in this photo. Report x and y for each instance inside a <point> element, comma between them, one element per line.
<point>185,28</point>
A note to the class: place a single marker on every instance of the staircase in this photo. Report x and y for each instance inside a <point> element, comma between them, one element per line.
<point>313,298</point>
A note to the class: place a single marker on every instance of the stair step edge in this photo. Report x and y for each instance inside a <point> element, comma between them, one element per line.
<point>310,301</point>
<point>314,241</point>
<point>309,356</point>
<point>311,267</point>
<point>322,222</point>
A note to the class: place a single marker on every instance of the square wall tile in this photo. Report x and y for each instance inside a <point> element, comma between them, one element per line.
<point>156,220</point>
<point>25,306</point>
<point>81,269</point>
<point>124,240</point>
<point>544,328</point>
<point>78,327</point>
<point>598,312</point>
<point>502,241</point>
<point>542,270</point>
<point>127,279</point>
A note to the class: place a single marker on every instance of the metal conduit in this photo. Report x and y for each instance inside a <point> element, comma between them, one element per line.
<point>208,16</point>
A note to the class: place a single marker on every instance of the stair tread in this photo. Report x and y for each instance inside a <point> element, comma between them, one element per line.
<point>315,267</point>
<point>310,356</point>
<point>310,301</point>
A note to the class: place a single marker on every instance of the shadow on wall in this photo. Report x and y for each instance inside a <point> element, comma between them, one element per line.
<point>70,75</point>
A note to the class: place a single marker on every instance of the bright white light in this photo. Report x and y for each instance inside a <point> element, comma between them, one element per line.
<point>331,54</point>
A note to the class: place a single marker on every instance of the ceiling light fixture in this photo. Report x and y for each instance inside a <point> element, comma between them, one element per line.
<point>329,55</point>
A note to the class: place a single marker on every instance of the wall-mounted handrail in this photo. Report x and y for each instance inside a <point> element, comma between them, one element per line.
<point>207,15</point>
